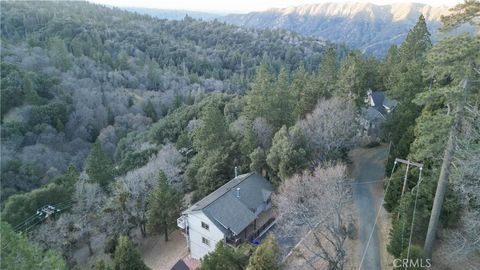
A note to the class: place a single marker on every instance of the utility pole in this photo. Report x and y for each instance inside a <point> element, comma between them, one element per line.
<point>444,174</point>
<point>408,162</point>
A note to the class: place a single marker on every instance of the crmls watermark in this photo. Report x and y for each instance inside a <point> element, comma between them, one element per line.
<point>406,263</point>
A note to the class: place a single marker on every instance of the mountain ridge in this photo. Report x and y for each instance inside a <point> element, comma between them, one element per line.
<point>369,27</point>
<point>346,8</point>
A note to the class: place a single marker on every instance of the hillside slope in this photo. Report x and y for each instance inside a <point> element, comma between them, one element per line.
<point>75,72</point>
<point>368,27</point>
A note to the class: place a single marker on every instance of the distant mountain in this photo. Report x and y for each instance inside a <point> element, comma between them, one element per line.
<point>368,27</point>
<point>174,14</point>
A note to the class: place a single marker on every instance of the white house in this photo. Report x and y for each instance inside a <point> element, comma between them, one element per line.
<point>237,212</point>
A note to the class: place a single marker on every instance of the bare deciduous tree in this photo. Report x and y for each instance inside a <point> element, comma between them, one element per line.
<point>263,132</point>
<point>133,189</point>
<point>79,225</point>
<point>89,202</point>
<point>310,206</point>
<point>332,126</point>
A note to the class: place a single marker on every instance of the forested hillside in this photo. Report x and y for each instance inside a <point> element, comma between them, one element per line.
<point>97,102</point>
<point>75,72</point>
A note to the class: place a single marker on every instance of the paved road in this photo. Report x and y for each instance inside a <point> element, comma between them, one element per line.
<point>369,165</point>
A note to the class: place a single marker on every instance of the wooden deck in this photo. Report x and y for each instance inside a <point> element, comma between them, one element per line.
<point>255,229</point>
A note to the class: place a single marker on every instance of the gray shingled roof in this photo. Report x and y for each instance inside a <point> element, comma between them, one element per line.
<point>371,114</point>
<point>390,103</point>
<point>232,213</point>
<point>378,97</point>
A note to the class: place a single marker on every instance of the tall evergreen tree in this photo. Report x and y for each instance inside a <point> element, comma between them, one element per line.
<point>299,82</point>
<point>164,207</point>
<point>405,80</point>
<point>282,103</point>
<point>31,96</point>
<point>351,78</point>
<point>99,167</point>
<point>257,97</point>
<point>328,72</point>
<point>212,132</point>
<point>317,86</point>
<point>59,54</point>
<point>212,166</point>
<point>417,43</point>
<point>287,156</point>
<point>308,98</point>
<point>149,110</point>
<point>388,65</point>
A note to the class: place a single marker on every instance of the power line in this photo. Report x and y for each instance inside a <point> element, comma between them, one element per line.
<point>413,215</point>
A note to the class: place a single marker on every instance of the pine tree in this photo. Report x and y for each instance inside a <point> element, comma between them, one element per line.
<point>351,78</point>
<point>308,98</point>
<point>388,64</point>
<point>164,207</point>
<point>281,105</point>
<point>328,72</point>
<point>286,156</point>
<point>257,97</point>
<point>127,257</point>
<point>59,54</point>
<point>299,82</point>
<point>258,160</point>
<point>69,178</point>
<point>417,42</point>
<point>266,256</point>
<point>465,12</point>
<point>216,170</point>
<point>406,78</point>
<point>99,167</point>
<point>224,257</point>
<point>212,132</point>
<point>212,166</point>
<point>149,111</point>
<point>31,96</point>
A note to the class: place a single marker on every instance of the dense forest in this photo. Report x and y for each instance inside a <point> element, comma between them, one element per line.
<point>115,116</point>
<point>75,72</point>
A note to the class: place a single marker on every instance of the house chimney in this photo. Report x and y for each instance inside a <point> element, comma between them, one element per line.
<point>238,192</point>
<point>236,171</point>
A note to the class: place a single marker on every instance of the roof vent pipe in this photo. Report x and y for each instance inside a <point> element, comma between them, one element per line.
<point>236,171</point>
<point>238,192</point>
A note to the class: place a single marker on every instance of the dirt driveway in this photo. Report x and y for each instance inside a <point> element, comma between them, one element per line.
<point>368,170</point>
<point>160,255</point>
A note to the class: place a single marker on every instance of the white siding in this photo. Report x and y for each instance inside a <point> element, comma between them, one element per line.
<point>197,248</point>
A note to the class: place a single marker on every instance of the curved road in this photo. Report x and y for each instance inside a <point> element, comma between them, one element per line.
<point>368,166</point>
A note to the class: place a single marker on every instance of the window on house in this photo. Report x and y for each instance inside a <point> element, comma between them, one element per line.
<point>205,241</point>
<point>205,226</point>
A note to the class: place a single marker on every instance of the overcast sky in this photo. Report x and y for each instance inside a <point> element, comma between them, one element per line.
<point>240,5</point>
